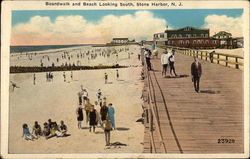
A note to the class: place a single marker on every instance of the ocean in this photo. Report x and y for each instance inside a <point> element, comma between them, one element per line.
<point>17,49</point>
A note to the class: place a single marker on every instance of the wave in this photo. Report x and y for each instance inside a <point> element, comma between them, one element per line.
<point>18,49</point>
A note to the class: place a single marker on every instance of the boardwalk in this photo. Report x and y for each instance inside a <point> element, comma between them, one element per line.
<point>193,122</point>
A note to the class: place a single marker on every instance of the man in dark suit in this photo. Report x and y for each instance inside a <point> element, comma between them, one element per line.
<point>196,74</point>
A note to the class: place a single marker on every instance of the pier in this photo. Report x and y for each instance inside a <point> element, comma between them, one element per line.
<point>179,120</point>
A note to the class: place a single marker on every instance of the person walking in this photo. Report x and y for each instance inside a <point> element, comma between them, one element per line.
<point>211,56</point>
<point>107,126</point>
<point>106,78</point>
<point>79,115</point>
<point>85,95</point>
<point>71,75</point>
<point>92,119</point>
<point>104,112</point>
<point>13,86</point>
<point>34,77</point>
<point>117,75</point>
<point>111,114</point>
<point>99,95</point>
<point>171,63</point>
<point>147,56</point>
<point>79,94</point>
<point>164,62</point>
<point>139,56</point>
<point>64,76</point>
<point>87,108</point>
<point>47,76</point>
<point>196,72</point>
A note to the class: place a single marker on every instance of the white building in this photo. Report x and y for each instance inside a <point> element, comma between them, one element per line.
<point>120,40</point>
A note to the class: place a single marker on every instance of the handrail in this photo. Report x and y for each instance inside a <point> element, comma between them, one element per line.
<point>152,104</point>
<point>209,56</point>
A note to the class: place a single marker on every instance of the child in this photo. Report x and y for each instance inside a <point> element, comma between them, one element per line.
<point>27,134</point>
<point>79,115</point>
<point>107,126</point>
<point>99,94</point>
<point>37,129</point>
<point>63,128</point>
<point>46,129</point>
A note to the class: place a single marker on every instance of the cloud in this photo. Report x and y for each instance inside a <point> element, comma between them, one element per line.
<point>218,23</point>
<point>75,29</point>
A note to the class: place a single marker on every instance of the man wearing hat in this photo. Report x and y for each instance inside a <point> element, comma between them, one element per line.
<point>196,72</point>
<point>164,62</point>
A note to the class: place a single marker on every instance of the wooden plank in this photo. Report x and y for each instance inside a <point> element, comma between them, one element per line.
<point>200,119</point>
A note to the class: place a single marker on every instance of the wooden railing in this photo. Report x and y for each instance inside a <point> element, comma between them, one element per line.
<point>151,114</point>
<point>227,60</point>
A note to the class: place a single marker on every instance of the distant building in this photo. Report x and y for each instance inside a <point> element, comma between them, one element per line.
<point>240,42</point>
<point>188,32</point>
<point>222,35</point>
<point>160,38</point>
<point>191,37</point>
<point>120,41</point>
<point>226,40</point>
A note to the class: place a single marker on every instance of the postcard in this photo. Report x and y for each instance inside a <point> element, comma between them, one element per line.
<point>125,79</point>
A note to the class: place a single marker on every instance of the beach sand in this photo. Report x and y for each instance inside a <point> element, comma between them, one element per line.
<point>47,58</point>
<point>58,100</point>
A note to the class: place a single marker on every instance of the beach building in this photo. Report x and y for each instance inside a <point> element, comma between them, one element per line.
<point>240,42</point>
<point>226,40</point>
<point>160,38</point>
<point>191,37</point>
<point>120,41</point>
<point>197,38</point>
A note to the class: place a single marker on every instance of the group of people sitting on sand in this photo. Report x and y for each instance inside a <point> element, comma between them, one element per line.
<point>50,129</point>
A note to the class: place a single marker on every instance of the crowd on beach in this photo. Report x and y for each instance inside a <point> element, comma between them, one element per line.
<point>105,118</point>
<point>73,57</point>
<point>50,77</point>
<point>96,112</point>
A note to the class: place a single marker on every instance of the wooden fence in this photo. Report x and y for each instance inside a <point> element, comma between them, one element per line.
<point>232,61</point>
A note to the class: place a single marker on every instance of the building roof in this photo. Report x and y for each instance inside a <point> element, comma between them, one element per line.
<point>192,28</point>
<point>158,33</point>
<point>184,28</point>
<point>187,30</point>
<point>120,38</point>
<point>222,33</point>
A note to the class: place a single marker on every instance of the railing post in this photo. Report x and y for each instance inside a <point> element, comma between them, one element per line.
<point>218,58</point>
<point>151,120</point>
<point>147,118</point>
<point>237,64</point>
<point>226,60</point>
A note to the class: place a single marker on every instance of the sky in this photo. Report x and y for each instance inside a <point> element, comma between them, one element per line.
<point>61,27</point>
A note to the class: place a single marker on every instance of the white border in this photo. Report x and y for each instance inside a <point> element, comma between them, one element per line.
<point>8,6</point>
